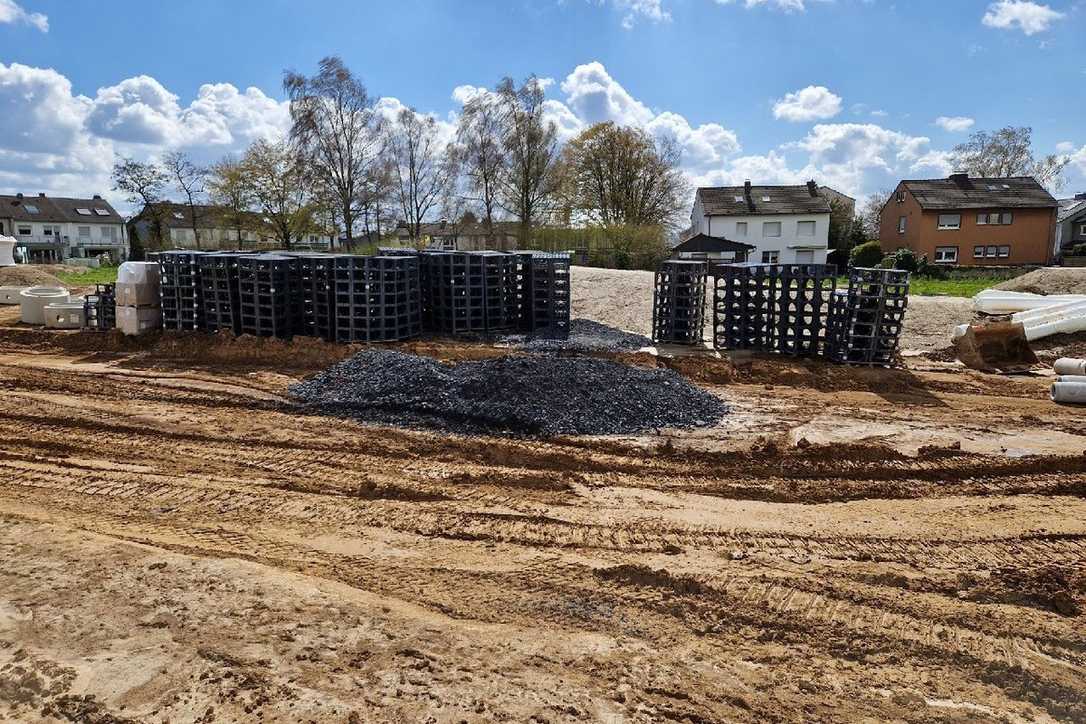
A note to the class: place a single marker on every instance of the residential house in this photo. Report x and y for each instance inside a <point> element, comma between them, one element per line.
<point>971,221</point>
<point>463,235</point>
<point>1070,225</point>
<point>783,224</point>
<point>216,230</point>
<point>844,200</point>
<point>700,247</point>
<point>50,229</point>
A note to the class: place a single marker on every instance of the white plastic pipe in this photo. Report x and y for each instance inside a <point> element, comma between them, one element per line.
<point>1066,318</point>
<point>996,301</point>
<point>1070,392</point>
<point>1069,366</point>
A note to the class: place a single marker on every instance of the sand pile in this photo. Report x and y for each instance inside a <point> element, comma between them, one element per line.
<point>535,394</point>
<point>27,275</point>
<point>1049,280</point>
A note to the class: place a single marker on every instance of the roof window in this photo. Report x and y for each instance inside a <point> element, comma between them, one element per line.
<point>83,212</point>
<point>739,199</point>
<point>102,212</point>
<point>178,215</point>
<point>766,198</point>
<point>31,209</point>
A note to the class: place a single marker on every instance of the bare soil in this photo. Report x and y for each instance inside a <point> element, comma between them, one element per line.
<point>29,275</point>
<point>180,542</point>
<point>1049,280</point>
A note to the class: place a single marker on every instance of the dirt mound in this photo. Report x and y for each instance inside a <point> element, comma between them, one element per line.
<point>1050,280</point>
<point>516,395</point>
<point>27,275</point>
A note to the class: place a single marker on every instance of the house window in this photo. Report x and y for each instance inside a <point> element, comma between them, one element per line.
<point>1008,217</point>
<point>741,228</point>
<point>47,230</point>
<point>771,228</point>
<point>978,252</point>
<point>1004,252</point>
<point>83,212</point>
<point>102,212</point>
<point>1082,230</point>
<point>982,219</point>
<point>770,257</point>
<point>901,225</point>
<point>950,221</point>
<point>901,197</point>
<point>84,232</point>
<point>992,252</point>
<point>24,231</point>
<point>946,254</point>
<point>31,208</point>
<point>109,232</point>
<point>805,256</point>
<point>805,228</point>
<point>178,215</point>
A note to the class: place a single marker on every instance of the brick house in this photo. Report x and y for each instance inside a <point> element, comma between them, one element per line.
<point>971,221</point>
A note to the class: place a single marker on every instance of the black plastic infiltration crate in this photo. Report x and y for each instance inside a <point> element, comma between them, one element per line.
<point>678,308</point>
<point>220,290</point>
<point>866,321</point>
<point>317,288</point>
<point>269,295</point>
<point>472,293</point>
<point>377,298</point>
<point>545,293</point>
<point>181,289</point>
<point>782,308</point>
<point>100,308</point>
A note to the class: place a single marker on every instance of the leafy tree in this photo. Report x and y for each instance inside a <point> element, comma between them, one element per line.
<point>336,130</point>
<point>1008,152</point>
<point>144,183</point>
<point>618,175</point>
<point>530,143</point>
<point>232,194</point>
<point>277,183</point>
<point>868,254</point>
<point>871,213</point>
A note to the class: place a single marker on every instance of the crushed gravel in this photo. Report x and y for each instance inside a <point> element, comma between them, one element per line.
<point>585,335</point>
<point>520,395</point>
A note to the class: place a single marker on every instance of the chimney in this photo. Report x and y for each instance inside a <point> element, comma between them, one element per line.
<point>19,195</point>
<point>961,180</point>
<point>1080,197</point>
<point>41,194</point>
<point>97,197</point>
<point>747,194</point>
<point>812,188</point>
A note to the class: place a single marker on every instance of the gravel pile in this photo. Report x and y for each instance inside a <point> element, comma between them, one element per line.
<point>585,335</point>
<point>536,395</point>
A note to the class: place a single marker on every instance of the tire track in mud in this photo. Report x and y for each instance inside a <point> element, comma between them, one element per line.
<point>395,509</point>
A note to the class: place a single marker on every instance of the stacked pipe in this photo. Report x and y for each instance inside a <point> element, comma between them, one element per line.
<point>678,305</point>
<point>1070,384</point>
<point>866,318</point>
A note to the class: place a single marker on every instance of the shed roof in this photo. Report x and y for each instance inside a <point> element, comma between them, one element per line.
<point>705,243</point>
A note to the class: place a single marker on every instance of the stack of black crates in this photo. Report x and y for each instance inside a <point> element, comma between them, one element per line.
<point>473,293</point>
<point>678,307</point>
<point>269,295</point>
<point>317,274</point>
<point>782,308</point>
<point>868,316</point>
<point>100,308</point>
<point>221,291</point>
<point>545,295</point>
<point>181,289</point>
<point>377,298</point>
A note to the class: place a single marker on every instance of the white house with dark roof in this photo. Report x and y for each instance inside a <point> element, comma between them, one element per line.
<point>52,228</point>
<point>784,224</point>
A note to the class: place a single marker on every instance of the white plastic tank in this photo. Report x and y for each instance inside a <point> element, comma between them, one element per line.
<point>34,299</point>
<point>7,250</point>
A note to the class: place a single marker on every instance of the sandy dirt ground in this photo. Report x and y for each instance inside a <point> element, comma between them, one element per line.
<point>179,542</point>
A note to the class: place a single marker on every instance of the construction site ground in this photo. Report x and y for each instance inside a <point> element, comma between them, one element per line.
<point>180,542</point>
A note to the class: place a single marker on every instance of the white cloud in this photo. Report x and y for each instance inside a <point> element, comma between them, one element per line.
<point>1078,159</point>
<point>11,12</point>
<point>594,96</point>
<point>1029,17</point>
<point>651,10</point>
<point>810,104</point>
<point>785,5</point>
<point>1065,147</point>
<point>954,124</point>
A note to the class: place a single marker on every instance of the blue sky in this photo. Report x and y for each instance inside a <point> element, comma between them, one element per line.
<point>846,91</point>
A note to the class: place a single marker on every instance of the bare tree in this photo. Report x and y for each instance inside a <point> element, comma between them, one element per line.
<point>336,130</point>
<point>530,145</point>
<point>1008,152</point>
<point>189,180</point>
<point>144,183</point>
<point>871,213</point>
<point>377,196</point>
<point>277,183</point>
<point>232,194</point>
<point>481,155</point>
<point>615,175</point>
<point>421,168</point>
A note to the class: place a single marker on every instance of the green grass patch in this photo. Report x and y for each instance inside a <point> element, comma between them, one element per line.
<point>87,277</point>
<point>928,287</point>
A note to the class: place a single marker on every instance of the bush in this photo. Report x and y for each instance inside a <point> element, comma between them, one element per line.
<point>905,260</point>
<point>1078,250</point>
<point>868,254</point>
